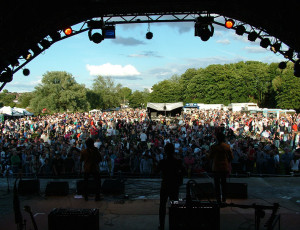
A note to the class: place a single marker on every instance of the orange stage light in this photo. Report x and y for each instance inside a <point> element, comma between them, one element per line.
<point>229,23</point>
<point>68,31</point>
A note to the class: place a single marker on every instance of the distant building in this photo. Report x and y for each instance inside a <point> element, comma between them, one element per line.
<point>238,107</point>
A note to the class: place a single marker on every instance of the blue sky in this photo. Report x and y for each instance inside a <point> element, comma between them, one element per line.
<point>136,62</point>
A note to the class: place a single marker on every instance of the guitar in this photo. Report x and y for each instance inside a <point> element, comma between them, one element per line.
<point>28,209</point>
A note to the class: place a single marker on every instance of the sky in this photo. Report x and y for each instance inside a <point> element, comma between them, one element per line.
<point>139,63</point>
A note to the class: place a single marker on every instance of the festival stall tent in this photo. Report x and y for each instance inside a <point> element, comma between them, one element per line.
<point>8,111</point>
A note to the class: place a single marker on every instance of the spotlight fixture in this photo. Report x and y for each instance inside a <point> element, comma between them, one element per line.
<point>36,49</point>
<point>26,55</point>
<point>276,47</point>
<point>45,44</point>
<point>6,76</point>
<point>297,68</point>
<point>149,35</point>
<point>55,36</point>
<point>14,62</point>
<point>289,54</point>
<point>265,42</point>
<point>240,30</point>
<point>68,31</point>
<point>26,72</point>
<point>109,32</point>
<point>96,37</point>
<point>229,23</point>
<point>282,65</point>
<point>204,28</point>
<point>252,36</point>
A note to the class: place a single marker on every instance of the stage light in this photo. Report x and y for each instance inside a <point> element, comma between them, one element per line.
<point>240,30</point>
<point>55,36</point>
<point>26,72</point>
<point>109,32</point>
<point>265,42</point>
<point>36,49</point>
<point>26,55</point>
<point>6,76</point>
<point>96,37</point>
<point>45,44</point>
<point>14,62</point>
<point>289,54</point>
<point>149,35</point>
<point>204,28</point>
<point>297,68</point>
<point>282,65</point>
<point>276,47</point>
<point>229,23</point>
<point>68,31</point>
<point>252,36</point>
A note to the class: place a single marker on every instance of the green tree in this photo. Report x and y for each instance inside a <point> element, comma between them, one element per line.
<point>125,94</point>
<point>7,99</point>
<point>286,86</point>
<point>166,91</point>
<point>107,92</point>
<point>25,99</point>
<point>59,92</point>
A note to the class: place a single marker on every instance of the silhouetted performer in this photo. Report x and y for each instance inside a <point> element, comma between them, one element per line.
<point>172,174</point>
<point>91,158</point>
<point>221,155</point>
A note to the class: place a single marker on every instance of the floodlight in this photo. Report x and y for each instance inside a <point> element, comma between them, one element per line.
<point>109,32</point>
<point>265,42</point>
<point>68,31</point>
<point>96,37</point>
<point>289,54</point>
<point>26,55</point>
<point>149,35</point>
<point>45,44</point>
<point>6,76</point>
<point>26,72</point>
<point>252,36</point>
<point>276,47</point>
<point>282,65</point>
<point>204,28</point>
<point>229,23</point>
<point>240,30</point>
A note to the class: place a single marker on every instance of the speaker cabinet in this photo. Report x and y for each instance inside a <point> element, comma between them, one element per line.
<point>29,187</point>
<point>59,188</point>
<point>92,188</point>
<point>73,219</point>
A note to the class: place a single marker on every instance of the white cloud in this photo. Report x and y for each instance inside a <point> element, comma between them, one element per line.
<point>112,70</point>
<point>257,49</point>
<point>224,41</point>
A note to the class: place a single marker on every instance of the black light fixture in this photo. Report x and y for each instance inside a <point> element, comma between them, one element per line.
<point>297,68</point>
<point>26,55</point>
<point>289,54</point>
<point>265,42</point>
<point>96,37</point>
<point>240,30</point>
<point>149,35</point>
<point>6,76</point>
<point>36,49</point>
<point>282,65</point>
<point>55,36</point>
<point>204,28</point>
<point>252,36</point>
<point>26,72</point>
<point>276,47</point>
<point>45,44</point>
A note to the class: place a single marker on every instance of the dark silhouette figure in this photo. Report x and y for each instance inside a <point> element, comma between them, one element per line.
<point>91,158</point>
<point>221,155</point>
<point>172,174</point>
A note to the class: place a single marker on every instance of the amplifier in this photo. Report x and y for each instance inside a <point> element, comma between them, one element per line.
<point>197,215</point>
<point>73,219</point>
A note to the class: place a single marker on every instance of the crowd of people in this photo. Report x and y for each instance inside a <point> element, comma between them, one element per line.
<point>129,142</point>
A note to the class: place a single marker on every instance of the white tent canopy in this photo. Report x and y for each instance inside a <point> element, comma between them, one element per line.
<point>14,112</point>
<point>164,106</point>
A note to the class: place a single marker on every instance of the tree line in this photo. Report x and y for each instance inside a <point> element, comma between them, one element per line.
<point>250,81</point>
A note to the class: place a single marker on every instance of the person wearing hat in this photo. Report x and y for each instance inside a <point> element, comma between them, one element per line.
<point>91,158</point>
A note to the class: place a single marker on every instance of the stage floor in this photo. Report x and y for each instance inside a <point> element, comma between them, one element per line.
<point>139,209</point>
